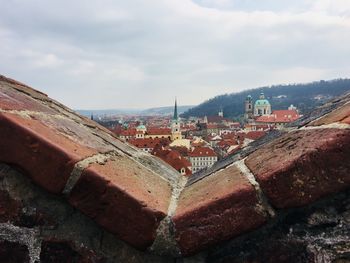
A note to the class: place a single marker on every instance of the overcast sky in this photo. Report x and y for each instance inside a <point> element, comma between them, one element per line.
<point>142,53</point>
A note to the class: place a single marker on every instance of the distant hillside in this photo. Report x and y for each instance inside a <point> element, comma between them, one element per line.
<point>109,112</point>
<point>304,96</point>
<point>165,110</point>
<point>151,111</point>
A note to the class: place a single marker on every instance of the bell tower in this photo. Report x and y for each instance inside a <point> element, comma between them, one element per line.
<point>248,108</point>
<point>175,125</point>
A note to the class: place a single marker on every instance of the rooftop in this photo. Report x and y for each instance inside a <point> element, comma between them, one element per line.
<point>279,116</point>
<point>202,152</point>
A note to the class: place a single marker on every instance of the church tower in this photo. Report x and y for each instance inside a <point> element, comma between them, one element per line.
<point>175,125</point>
<point>205,119</point>
<point>221,112</point>
<point>248,108</point>
<point>262,106</point>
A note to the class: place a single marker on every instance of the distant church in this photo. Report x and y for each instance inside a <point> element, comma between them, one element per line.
<point>175,125</point>
<point>261,114</point>
<point>262,107</point>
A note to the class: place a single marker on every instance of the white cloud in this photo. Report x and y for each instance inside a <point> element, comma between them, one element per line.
<point>142,53</point>
<point>337,7</point>
<point>39,60</point>
<point>82,68</point>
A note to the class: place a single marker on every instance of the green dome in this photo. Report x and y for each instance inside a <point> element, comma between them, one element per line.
<point>140,127</point>
<point>262,102</point>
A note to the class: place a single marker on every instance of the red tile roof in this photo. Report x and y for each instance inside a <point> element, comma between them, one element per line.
<point>145,142</point>
<point>228,136</point>
<point>173,158</point>
<point>181,149</point>
<point>128,132</point>
<point>202,152</point>
<point>279,116</point>
<point>158,131</point>
<point>212,126</point>
<point>226,143</point>
<point>198,144</point>
<point>217,119</point>
<point>254,135</point>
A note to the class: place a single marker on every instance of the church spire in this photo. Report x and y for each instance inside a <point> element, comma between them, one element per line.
<point>175,111</point>
<point>175,125</point>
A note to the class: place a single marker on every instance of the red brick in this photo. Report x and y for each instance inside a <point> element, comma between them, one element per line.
<point>217,208</point>
<point>45,154</point>
<point>125,198</point>
<point>56,250</point>
<point>75,132</point>
<point>346,120</point>
<point>13,252</point>
<point>303,166</point>
<point>10,209</point>
<point>23,88</point>
<point>11,99</point>
<point>341,114</point>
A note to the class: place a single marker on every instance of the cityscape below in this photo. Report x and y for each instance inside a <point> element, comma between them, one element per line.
<point>194,144</point>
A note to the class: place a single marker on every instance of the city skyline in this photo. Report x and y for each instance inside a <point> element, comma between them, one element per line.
<point>136,55</point>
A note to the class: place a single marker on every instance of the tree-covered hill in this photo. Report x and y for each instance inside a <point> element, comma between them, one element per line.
<point>304,96</point>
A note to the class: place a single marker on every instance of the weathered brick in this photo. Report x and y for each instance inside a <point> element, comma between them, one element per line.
<point>44,153</point>
<point>341,114</point>
<point>53,251</point>
<point>64,251</point>
<point>23,88</point>
<point>13,252</point>
<point>11,99</point>
<point>37,105</point>
<point>346,120</point>
<point>75,132</point>
<point>218,207</point>
<point>10,209</point>
<point>124,197</point>
<point>303,166</point>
